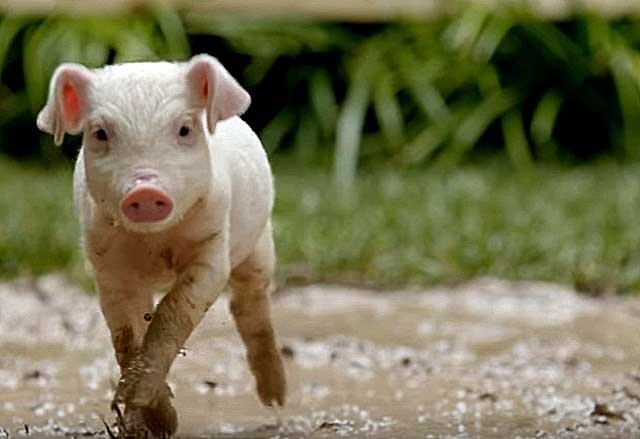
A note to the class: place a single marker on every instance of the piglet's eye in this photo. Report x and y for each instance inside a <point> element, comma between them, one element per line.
<point>184,131</point>
<point>101,135</point>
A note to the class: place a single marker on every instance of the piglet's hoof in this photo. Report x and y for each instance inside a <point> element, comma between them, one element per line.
<point>161,418</point>
<point>158,420</point>
<point>271,383</point>
<point>131,425</point>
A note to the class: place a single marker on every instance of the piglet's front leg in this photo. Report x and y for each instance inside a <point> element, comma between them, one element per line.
<point>180,311</point>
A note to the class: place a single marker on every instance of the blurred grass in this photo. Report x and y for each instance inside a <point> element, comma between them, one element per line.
<point>38,232</point>
<point>570,225</point>
<point>396,229</point>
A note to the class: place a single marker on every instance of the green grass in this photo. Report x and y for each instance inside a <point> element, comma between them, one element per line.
<point>38,230</point>
<point>398,228</point>
<point>571,225</point>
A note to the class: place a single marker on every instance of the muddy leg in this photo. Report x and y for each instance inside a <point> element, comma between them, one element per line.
<point>251,282</point>
<point>175,317</point>
<point>126,311</point>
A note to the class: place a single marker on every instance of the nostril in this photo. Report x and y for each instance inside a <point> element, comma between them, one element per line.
<point>160,203</point>
<point>135,205</point>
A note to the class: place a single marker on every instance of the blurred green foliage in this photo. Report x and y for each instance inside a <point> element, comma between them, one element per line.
<point>341,95</point>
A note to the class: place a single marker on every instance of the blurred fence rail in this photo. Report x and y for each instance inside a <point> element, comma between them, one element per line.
<point>343,10</point>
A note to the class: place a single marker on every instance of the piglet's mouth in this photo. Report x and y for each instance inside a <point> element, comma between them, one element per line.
<point>146,204</point>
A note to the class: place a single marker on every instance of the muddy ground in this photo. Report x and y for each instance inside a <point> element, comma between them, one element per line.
<point>489,359</point>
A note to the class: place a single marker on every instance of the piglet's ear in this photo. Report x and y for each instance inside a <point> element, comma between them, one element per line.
<point>215,90</point>
<point>66,108</point>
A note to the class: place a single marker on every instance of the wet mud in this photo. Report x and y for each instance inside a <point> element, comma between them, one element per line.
<point>487,359</point>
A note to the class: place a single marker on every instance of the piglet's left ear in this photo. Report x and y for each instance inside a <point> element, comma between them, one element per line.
<point>215,90</point>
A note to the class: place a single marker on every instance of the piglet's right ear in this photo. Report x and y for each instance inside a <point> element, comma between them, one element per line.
<point>66,107</point>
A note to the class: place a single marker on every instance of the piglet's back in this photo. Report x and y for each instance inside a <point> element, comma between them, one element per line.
<point>238,154</point>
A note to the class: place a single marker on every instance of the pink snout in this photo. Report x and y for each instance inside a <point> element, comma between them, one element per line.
<point>146,205</point>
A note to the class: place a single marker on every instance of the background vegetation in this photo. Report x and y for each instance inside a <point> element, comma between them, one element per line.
<point>406,94</point>
<point>481,143</point>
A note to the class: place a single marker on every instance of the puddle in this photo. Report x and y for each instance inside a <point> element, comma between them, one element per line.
<point>488,359</point>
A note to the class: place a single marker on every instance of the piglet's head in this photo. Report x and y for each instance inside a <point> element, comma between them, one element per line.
<point>148,143</point>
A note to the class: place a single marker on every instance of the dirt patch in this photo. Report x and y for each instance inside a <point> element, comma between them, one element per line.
<point>489,359</point>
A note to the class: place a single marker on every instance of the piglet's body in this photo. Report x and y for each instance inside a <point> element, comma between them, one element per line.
<point>174,192</point>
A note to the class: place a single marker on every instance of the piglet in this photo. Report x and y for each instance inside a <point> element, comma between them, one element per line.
<point>174,193</point>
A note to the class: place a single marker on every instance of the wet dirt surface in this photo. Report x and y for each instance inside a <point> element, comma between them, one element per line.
<point>488,359</point>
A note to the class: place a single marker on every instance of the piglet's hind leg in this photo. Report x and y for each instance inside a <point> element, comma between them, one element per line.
<point>251,282</point>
